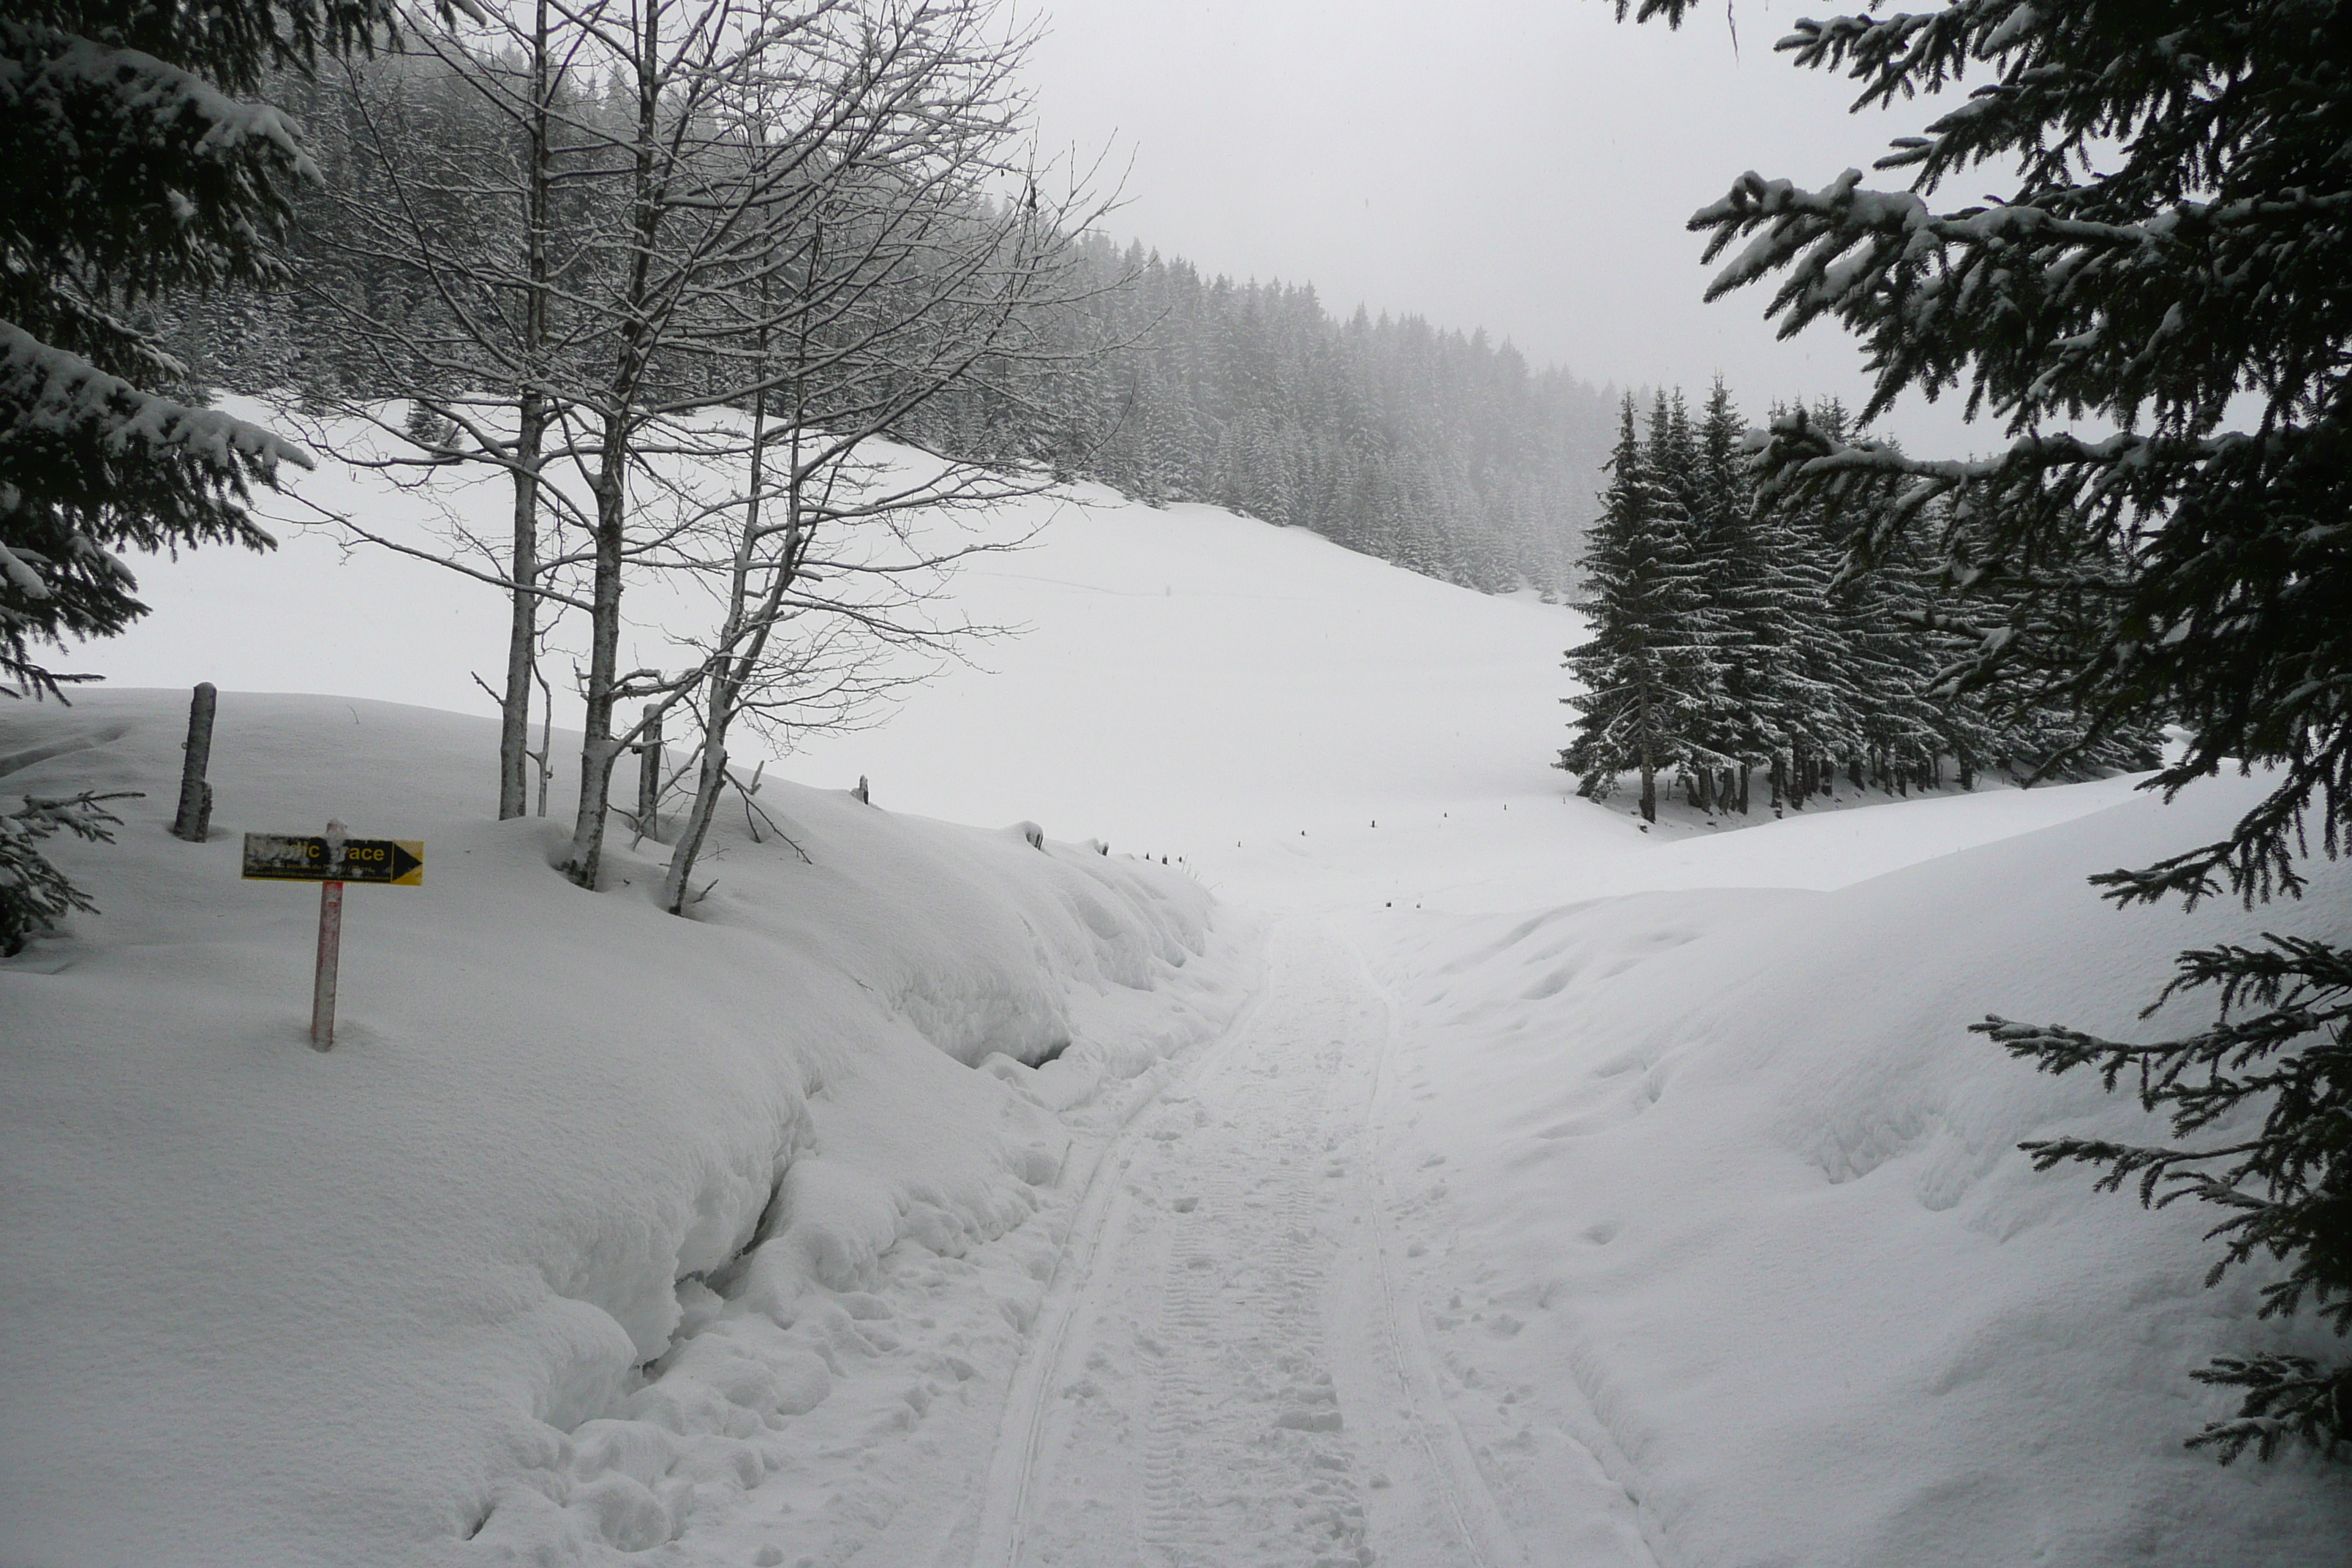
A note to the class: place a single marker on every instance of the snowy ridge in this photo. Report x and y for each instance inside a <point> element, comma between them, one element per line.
<point>1567,1193</point>
<point>1721,1172</point>
<point>594,1219</point>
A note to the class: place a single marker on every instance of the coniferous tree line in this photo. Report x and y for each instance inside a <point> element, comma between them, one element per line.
<point>2171,254</point>
<point>1441,451</point>
<point>669,267</point>
<point>1730,649</point>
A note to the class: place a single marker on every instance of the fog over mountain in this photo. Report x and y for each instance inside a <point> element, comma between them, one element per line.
<point>1526,168</point>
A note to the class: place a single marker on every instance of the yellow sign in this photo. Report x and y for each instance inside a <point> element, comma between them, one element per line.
<point>309,858</point>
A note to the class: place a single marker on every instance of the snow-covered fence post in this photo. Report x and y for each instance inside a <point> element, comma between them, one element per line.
<point>195,817</point>
<point>649,778</point>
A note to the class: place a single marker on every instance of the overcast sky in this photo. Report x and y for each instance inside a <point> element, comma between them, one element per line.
<point>1523,166</point>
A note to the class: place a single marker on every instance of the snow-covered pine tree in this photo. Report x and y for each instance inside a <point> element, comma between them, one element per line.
<point>1647,671</point>
<point>1885,659</point>
<point>131,162</point>
<point>1736,575</point>
<point>2178,238</point>
<point>1693,664</point>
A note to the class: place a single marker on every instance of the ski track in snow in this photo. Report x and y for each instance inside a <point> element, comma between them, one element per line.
<point>1231,1369</point>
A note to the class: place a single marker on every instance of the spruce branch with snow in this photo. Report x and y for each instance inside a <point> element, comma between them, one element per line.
<point>129,166</point>
<point>132,161</point>
<point>2174,258</point>
<point>33,894</point>
<point>2286,1190</point>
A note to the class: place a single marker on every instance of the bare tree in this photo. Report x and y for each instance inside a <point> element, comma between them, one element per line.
<point>774,231</point>
<point>465,145</point>
<point>886,276</point>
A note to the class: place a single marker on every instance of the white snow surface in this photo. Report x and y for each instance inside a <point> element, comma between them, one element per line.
<point>1441,1171</point>
<point>591,1216</point>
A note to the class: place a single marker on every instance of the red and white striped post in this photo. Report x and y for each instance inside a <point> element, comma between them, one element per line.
<point>330,946</point>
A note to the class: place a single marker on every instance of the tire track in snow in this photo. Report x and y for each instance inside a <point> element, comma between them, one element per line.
<point>1004,1506</point>
<point>1468,1500</point>
<point>1224,1339</point>
<point>1243,1401</point>
<point>1469,1504</point>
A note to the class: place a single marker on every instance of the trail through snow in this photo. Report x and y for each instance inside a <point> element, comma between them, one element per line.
<point>1560,1161</point>
<point>1230,1368</point>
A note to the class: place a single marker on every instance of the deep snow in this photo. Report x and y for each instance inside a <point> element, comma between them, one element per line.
<point>590,1217</point>
<point>1562,1193</point>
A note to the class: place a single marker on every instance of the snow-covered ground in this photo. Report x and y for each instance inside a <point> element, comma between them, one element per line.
<point>1443,1172</point>
<point>593,1218</point>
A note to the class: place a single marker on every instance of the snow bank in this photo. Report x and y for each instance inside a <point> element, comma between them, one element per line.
<point>1716,1184</point>
<point>593,1218</point>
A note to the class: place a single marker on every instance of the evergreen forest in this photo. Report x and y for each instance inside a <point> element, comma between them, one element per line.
<point>1733,640</point>
<point>1440,451</point>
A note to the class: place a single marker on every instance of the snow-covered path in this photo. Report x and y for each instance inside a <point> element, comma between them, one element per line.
<point>1229,1369</point>
<point>1560,1157</point>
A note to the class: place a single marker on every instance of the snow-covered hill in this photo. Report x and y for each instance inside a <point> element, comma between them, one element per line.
<point>1714,1184</point>
<point>584,1195</point>
<point>1563,1191</point>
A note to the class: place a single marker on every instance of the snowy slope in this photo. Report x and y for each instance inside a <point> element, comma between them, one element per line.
<point>1715,1187</point>
<point>264,1306</point>
<point>1569,1192</point>
<point>1305,727</point>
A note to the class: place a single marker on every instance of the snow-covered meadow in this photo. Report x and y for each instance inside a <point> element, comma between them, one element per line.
<point>1439,1171</point>
<point>590,1212</point>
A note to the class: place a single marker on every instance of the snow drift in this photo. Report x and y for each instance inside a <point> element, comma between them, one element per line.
<point>1716,1186</point>
<point>592,1214</point>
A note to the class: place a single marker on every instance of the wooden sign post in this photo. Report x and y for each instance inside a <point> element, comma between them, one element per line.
<point>330,859</point>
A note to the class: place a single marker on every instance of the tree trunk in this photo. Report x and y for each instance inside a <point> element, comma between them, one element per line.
<point>742,641</point>
<point>711,780</point>
<point>1649,764</point>
<point>597,749</point>
<point>522,630</point>
<point>530,429</point>
<point>650,763</point>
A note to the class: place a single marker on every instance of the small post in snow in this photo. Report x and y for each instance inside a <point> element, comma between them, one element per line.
<point>195,817</point>
<point>330,944</point>
<point>331,860</point>
<point>650,780</point>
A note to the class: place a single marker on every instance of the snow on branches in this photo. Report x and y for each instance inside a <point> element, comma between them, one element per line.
<point>35,895</point>
<point>50,392</point>
<point>2174,257</point>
